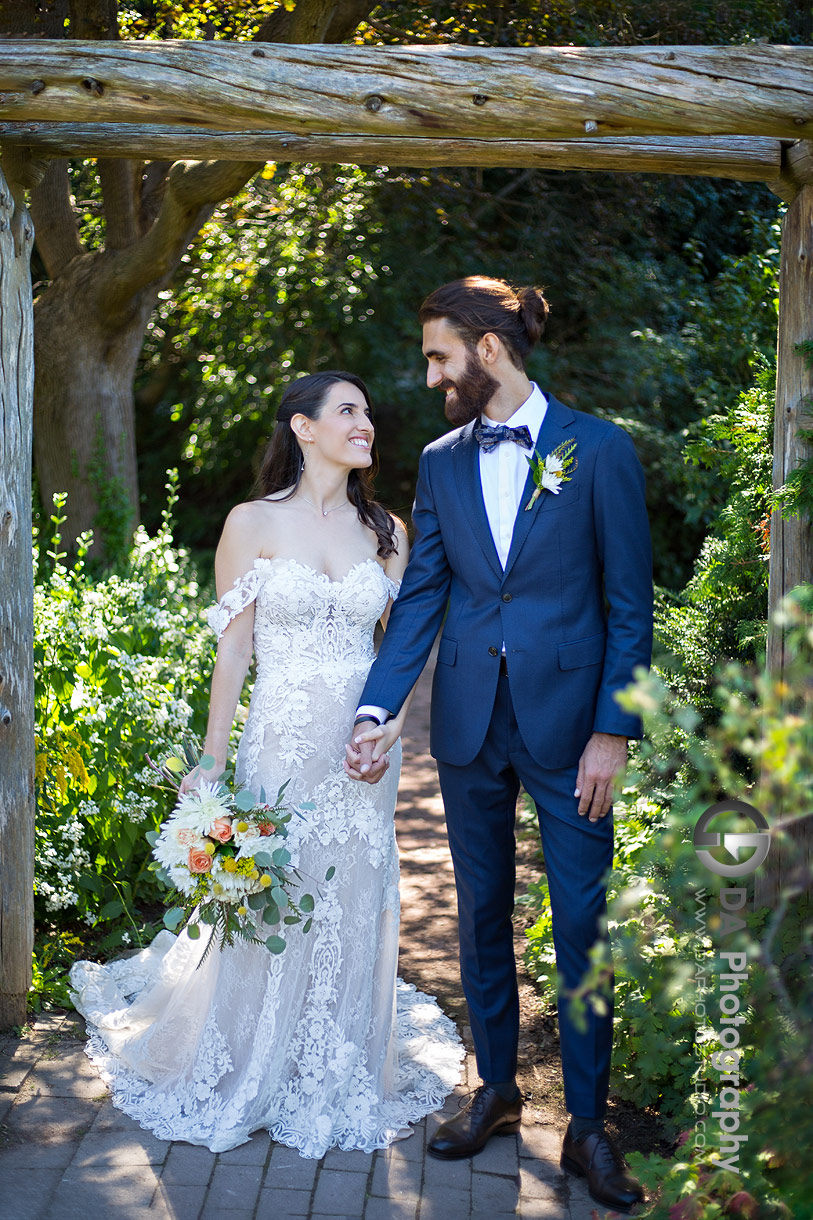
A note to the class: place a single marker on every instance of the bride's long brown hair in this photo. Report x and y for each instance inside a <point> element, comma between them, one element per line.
<point>282,463</point>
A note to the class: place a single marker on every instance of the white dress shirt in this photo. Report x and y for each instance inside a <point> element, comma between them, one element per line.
<point>503,473</point>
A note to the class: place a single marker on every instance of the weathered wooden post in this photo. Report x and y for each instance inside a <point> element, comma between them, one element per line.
<point>792,540</point>
<point>791,564</point>
<point>16,611</point>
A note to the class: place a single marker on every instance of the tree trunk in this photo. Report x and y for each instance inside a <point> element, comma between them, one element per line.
<point>16,613</point>
<point>84,436</point>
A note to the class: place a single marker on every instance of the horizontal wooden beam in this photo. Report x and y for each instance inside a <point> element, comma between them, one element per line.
<point>746,158</point>
<point>539,93</point>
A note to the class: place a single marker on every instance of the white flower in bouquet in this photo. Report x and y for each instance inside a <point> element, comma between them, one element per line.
<point>202,806</point>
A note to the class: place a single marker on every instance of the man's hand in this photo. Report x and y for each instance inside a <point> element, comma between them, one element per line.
<point>604,757</point>
<point>364,760</point>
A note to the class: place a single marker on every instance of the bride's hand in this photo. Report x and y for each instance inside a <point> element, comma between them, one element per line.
<point>190,782</point>
<point>383,736</point>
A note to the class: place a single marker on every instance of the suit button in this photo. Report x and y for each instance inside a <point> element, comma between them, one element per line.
<point>493,652</point>
<point>507,597</point>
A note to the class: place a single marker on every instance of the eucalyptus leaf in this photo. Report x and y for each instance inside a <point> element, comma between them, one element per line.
<point>282,857</point>
<point>306,903</point>
<point>193,931</point>
<point>280,897</point>
<point>262,859</point>
<point>291,919</point>
<point>244,800</point>
<point>275,943</point>
<point>173,917</point>
<point>271,913</point>
<point>257,901</point>
<point>152,837</point>
<point>308,926</point>
<point>207,762</point>
<point>331,873</point>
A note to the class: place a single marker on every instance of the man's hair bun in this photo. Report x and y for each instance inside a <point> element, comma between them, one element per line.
<point>534,310</point>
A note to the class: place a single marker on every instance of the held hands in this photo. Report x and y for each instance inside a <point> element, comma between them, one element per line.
<point>604,757</point>
<point>368,751</point>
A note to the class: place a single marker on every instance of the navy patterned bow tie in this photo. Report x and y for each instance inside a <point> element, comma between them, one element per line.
<point>489,438</point>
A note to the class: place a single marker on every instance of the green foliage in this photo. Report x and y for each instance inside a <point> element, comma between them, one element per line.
<point>51,960</point>
<point>120,665</point>
<point>722,612</point>
<point>764,728</point>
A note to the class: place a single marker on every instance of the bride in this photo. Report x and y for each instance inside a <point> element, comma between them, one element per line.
<point>322,1045</point>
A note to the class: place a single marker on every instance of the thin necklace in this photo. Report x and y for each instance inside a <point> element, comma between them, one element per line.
<point>323,511</point>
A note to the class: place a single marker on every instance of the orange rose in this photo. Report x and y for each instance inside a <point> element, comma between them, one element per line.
<point>266,828</point>
<point>221,830</point>
<point>199,860</point>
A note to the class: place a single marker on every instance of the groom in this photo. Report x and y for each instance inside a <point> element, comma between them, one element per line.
<point>549,613</point>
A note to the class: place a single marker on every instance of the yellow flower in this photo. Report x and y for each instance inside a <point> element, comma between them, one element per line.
<point>230,864</point>
<point>254,874</point>
<point>242,910</point>
<point>265,881</point>
<point>211,848</point>
<point>242,827</point>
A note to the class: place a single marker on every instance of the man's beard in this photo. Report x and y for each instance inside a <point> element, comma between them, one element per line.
<point>472,393</point>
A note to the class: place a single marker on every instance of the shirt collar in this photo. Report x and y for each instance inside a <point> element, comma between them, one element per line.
<point>531,413</point>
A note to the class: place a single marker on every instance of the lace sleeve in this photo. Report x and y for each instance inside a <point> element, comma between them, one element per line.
<point>233,602</point>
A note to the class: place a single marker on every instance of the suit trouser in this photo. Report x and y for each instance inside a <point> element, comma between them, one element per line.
<point>480,802</point>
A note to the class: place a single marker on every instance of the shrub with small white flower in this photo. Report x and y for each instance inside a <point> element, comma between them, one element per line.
<point>122,667</point>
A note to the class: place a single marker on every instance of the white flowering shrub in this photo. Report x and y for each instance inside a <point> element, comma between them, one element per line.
<point>122,669</point>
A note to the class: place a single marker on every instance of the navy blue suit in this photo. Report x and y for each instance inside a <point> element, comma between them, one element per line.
<point>573,608</point>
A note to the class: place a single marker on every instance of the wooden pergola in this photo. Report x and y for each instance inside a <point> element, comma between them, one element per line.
<point>734,112</point>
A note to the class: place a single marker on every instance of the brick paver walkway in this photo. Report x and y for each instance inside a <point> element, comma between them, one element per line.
<point>67,1154</point>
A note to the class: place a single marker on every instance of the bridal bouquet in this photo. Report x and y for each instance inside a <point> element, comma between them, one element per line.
<point>224,856</point>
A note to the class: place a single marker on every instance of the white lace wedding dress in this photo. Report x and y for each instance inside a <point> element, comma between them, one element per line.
<point>321,1045</point>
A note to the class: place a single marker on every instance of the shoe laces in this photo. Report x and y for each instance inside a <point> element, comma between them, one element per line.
<point>605,1155</point>
<point>474,1100</point>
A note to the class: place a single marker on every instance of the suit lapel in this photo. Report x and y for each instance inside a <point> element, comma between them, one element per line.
<point>557,417</point>
<point>467,471</point>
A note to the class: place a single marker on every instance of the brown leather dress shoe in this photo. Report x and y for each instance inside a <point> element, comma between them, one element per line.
<point>469,1131</point>
<point>596,1158</point>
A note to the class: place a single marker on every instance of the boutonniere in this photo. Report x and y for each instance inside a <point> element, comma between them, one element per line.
<point>552,471</point>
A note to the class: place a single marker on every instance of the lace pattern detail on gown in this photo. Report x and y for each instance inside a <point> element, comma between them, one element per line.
<point>322,1045</point>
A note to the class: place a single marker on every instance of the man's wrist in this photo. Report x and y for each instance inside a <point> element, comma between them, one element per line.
<point>360,719</point>
<point>370,711</point>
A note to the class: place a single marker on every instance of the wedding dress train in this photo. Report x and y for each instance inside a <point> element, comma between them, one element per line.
<point>322,1045</point>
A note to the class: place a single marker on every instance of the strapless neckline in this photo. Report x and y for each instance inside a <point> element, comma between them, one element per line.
<point>306,567</point>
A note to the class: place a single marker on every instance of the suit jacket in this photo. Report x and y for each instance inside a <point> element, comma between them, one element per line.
<point>573,605</point>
